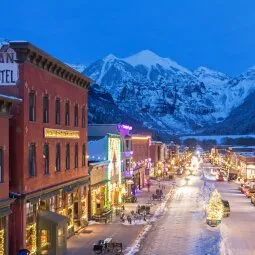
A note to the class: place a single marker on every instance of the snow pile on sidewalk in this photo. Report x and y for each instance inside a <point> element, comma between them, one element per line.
<point>136,245</point>
<point>135,222</point>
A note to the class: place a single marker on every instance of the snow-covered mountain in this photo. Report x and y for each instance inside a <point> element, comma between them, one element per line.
<point>165,96</point>
<point>78,67</point>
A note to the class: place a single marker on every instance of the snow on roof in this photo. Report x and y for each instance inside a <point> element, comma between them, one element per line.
<point>10,98</point>
<point>247,154</point>
<point>97,150</point>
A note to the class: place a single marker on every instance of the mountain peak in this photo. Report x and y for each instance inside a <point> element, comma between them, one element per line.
<point>209,76</point>
<point>148,58</point>
<point>109,58</point>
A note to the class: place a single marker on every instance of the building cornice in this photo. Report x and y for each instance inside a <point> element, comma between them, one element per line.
<point>28,53</point>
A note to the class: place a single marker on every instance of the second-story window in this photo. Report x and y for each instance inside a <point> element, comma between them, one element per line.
<point>76,115</point>
<point>57,110</point>
<point>67,156</point>
<point>32,160</point>
<point>76,156</point>
<point>45,109</point>
<point>57,157</point>
<point>46,158</point>
<point>83,155</point>
<point>32,106</point>
<point>1,165</point>
<point>83,117</point>
<point>67,114</point>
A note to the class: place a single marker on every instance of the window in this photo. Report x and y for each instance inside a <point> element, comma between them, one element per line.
<point>32,106</point>
<point>83,117</point>
<point>57,157</point>
<point>76,115</point>
<point>45,109</point>
<point>76,156</point>
<point>32,160</point>
<point>83,154</point>
<point>1,165</point>
<point>67,114</point>
<point>46,158</point>
<point>68,156</point>
<point>57,110</point>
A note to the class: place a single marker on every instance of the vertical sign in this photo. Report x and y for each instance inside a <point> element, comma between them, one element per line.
<point>8,66</point>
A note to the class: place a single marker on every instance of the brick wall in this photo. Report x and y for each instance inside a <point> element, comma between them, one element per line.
<point>24,132</point>
<point>4,144</point>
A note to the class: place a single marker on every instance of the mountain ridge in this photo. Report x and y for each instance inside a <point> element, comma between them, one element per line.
<point>168,97</point>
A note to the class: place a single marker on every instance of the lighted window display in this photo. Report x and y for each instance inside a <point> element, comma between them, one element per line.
<point>45,239</point>
<point>70,211</point>
<point>114,155</point>
<point>2,235</point>
<point>53,204</point>
<point>31,238</point>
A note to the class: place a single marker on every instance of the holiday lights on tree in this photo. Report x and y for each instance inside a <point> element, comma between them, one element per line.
<point>215,208</point>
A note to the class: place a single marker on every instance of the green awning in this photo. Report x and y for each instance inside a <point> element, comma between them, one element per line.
<point>52,218</point>
<point>43,196</point>
<point>5,211</point>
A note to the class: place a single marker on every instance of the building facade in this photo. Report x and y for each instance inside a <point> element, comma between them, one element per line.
<point>141,161</point>
<point>5,202</point>
<point>109,148</point>
<point>157,154</point>
<point>99,189</point>
<point>48,139</point>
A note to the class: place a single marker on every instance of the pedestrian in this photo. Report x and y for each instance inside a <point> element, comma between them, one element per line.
<point>123,207</point>
<point>144,215</point>
<point>129,219</point>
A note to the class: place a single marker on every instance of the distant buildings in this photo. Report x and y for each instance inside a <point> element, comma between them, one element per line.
<point>238,160</point>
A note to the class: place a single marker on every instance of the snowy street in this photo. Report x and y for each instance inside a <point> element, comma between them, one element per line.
<point>182,229</point>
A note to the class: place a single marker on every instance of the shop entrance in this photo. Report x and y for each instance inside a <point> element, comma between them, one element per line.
<point>52,233</point>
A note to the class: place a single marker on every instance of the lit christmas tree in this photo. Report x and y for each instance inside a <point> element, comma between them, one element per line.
<point>215,208</point>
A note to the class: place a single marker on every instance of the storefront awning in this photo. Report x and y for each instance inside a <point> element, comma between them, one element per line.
<point>70,188</point>
<point>99,183</point>
<point>52,218</point>
<point>43,196</point>
<point>4,211</point>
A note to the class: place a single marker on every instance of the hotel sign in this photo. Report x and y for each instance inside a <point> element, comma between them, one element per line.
<point>61,133</point>
<point>8,66</point>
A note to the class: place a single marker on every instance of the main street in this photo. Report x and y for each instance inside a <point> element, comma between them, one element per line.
<point>182,229</point>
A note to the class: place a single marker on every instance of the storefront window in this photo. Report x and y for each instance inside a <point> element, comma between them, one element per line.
<point>61,237</point>
<point>53,204</point>
<point>70,211</point>
<point>45,243</point>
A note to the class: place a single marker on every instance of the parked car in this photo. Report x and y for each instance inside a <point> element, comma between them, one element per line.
<point>226,208</point>
<point>244,188</point>
<point>220,178</point>
<point>253,198</point>
<point>232,176</point>
<point>249,192</point>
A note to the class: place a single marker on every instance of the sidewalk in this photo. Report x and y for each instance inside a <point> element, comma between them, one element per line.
<point>83,243</point>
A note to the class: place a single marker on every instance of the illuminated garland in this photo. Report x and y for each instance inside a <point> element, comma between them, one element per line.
<point>2,244</point>
<point>215,208</point>
<point>33,237</point>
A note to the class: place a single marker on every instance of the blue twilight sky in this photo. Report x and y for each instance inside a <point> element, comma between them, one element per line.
<point>219,34</point>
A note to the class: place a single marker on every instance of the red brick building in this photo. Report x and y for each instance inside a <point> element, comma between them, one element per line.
<point>157,153</point>
<point>48,146</point>
<point>141,160</point>
<point>5,201</point>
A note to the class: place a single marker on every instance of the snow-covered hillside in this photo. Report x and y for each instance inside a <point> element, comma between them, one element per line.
<point>78,67</point>
<point>165,96</point>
